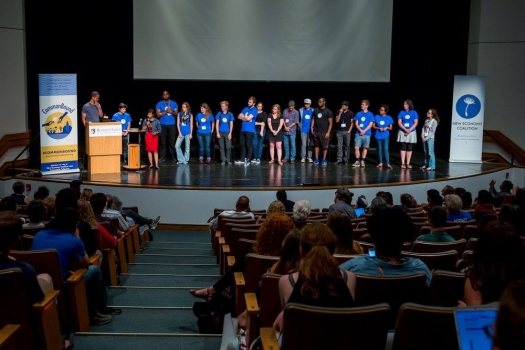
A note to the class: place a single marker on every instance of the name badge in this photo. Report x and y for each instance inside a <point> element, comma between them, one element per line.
<point>287,121</point>
<point>224,120</point>
<point>306,117</point>
<point>407,125</point>
<point>343,125</point>
<point>361,125</point>
<point>203,127</point>
<point>319,115</point>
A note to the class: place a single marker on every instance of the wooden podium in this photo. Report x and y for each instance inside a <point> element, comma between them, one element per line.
<point>104,147</point>
<point>134,150</point>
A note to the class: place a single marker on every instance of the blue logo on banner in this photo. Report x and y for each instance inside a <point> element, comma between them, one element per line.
<point>58,125</point>
<point>468,106</point>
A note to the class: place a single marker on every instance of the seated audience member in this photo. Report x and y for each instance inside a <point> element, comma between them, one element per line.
<point>387,196</point>
<point>509,327</point>
<point>466,198</point>
<point>98,204</point>
<point>132,217</point>
<point>319,281</point>
<point>459,191</point>
<point>447,190</point>
<point>484,208</point>
<point>41,193</point>
<point>301,211</point>
<point>437,219</point>
<point>86,194</point>
<point>268,241</point>
<point>275,207</point>
<point>378,203</point>
<point>431,194</point>
<point>513,215</point>
<point>341,226</point>
<point>75,185</point>
<point>361,202</point>
<point>49,202</point>
<point>505,189</point>
<point>242,210</point>
<point>290,257</point>
<point>36,212</point>
<point>343,202</point>
<point>498,260</point>
<point>9,204</point>
<point>108,212</point>
<point>72,255</point>
<point>387,228</point>
<point>453,205</point>
<point>105,239</point>
<point>18,193</point>
<point>283,197</point>
<point>407,202</point>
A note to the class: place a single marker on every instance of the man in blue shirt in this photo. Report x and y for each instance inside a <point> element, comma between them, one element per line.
<point>125,119</point>
<point>363,130</point>
<point>247,116</point>
<point>305,120</point>
<point>166,111</point>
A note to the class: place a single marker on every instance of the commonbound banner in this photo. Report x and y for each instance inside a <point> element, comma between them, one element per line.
<point>58,123</point>
<point>468,114</point>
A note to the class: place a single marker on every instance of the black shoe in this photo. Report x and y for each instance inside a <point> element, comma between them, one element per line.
<point>100,319</point>
<point>112,311</point>
<point>162,160</point>
<point>339,162</point>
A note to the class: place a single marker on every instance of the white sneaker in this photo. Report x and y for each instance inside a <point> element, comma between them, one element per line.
<point>303,160</point>
<point>356,164</point>
<point>310,160</point>
<point>254,160</point>
<point>239,161</point>
<point>362,164</point>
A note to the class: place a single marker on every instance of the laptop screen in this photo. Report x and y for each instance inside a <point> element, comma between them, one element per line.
<point>471,325</point>
<point>359,211</point>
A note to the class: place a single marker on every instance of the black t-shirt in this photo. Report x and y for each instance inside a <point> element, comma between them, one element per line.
<point>261,118</point>
<point>346,120</point>
<point>321,119</point>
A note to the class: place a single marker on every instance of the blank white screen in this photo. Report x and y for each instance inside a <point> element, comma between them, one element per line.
<point>263,40</point>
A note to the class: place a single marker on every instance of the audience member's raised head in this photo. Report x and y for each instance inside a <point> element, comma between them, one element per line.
<point>290,254</point>
<point>98,203</point>
<point>8,204</point>
<point>275,207</point>
<point>243,204</point>
<point>453,203</point>
<point>378,203</point>
<point>65,198</point>
<point>362,202</point>
<point>116,204</point>
<point>344,195</point>
<point>49,202</point>
<point>509,328</point>
<point>437,216</point>
<point>36,211</point>
<point>485,197</point>
<point>390,228</point>
<point>66,220</point>
<point>269,238</point>
<point>408,201</point>
<point>301,211</point>
<point>459,191</point>
<point>42,192</point>
<point>75,185</point>
<point>86,194</point>
<point>86,214</point>
<point>341,226</point>
<point>10,230</point>
<point>447,190</point>
<point>435,200</point>
<point>506,186</point>
<point>281,195</point>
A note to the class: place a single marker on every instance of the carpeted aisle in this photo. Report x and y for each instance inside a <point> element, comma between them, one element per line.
<point>156,306</point>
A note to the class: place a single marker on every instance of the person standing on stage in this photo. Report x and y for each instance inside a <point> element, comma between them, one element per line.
<point>224,127</point>
<point>185,129</point>
<point>260,131</point>
<point>291,119</point>
<point>320,128</point>
<point>275,133</point>
<point>166,111</point>
<point>92,111</point>
<point>152,128</point>
<point>407,121</point>
<point>247,116</point>
<point>125,119</point>
<point>363,130</point>
<point>305,121</point>
<point>383,124</point>
<point>427,137</point>
<point>344,123</point>
<point>205,127</point>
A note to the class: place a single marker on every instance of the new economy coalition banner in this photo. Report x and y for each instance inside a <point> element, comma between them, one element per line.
<point>468,114</point>
<point>59,123</point>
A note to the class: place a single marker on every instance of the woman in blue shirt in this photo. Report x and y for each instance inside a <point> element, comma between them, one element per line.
<point>407,121</point>
<point>382,125</point>
<point>205,127</point>
<point>185,128</point>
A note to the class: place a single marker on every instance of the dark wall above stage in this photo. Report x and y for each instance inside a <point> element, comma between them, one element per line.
<point>94,39</point>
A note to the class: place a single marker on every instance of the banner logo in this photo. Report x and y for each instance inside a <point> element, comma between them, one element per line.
<point>58,125</point>
<point>468,106</point>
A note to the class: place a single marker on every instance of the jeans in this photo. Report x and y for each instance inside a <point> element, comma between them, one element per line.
<point>183,157</point>
<point>343,145</point>
<point>225,146</point>
<point>138,219</point>
<point>167,136</point>
<point>204,144</point>
<point>246,143</point>
<point>94,290</point>
<point>289,146</point>
<point>258,142</point>
<point>382,149</point>
<point>430,158</point>
<point>306,145</point>
<point>125,141</point>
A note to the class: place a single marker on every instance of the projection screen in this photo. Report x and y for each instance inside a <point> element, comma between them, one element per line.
<point>263,40</point>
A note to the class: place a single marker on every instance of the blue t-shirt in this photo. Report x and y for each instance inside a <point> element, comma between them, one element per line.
<point>123,118</point>
<point>306,119</point>
<point>184,123</point>
<point>249,126</point>
<point>461,216</point>
<point>383,122</point>
<point>167,119</point>
<point>205,125</point>
<point>224,121</point>
<point>69,247</point>
<point>408,118</point>
<point>364,119</point>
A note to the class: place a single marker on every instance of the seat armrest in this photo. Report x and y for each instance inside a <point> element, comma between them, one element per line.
<point>252,306</point>
<point>239,279</point>
<point>48,298</point>
<point>268,339</point>
<point>95,259</point>
<point>76,276</point>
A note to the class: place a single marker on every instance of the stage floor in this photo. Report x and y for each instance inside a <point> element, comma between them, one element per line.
<point>265,176</point>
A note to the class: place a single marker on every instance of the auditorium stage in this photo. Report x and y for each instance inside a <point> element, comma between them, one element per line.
<point>265,176</point>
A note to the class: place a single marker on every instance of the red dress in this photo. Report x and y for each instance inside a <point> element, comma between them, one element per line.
<point>152,141</point>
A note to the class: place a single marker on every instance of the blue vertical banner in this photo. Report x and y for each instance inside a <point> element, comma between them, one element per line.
<point>58,123</point>
<point>468,115</point>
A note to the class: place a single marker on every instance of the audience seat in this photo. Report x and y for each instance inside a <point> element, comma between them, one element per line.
<point>9,337</point>
<point>436,261</point>
<point>438,247</point>
<point>470,231</point>
<point>446,288</point>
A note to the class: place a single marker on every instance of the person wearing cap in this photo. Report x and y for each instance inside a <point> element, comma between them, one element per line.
<point>125,119</point>
<point>305,120</point>
<point>343,128</point>
<point>291,119</point>
<point>320,129</point>
<point>383,123</point>
<point>167,111</point>
<point>363,130</point>
<point>343,203</point>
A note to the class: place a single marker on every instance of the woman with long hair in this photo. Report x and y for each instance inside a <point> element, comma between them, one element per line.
<point>498,260</point>
<point>407,121</point>
<point>185,129</point>
<point>275,133</point>
<point>341,226</point>
<point>152,128</point>
<point>86,194</point>
<point>205,127</point>
<point>290,257</point>
<point>318,281</point>
<point>104,240</point>
<point>428,136</point>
